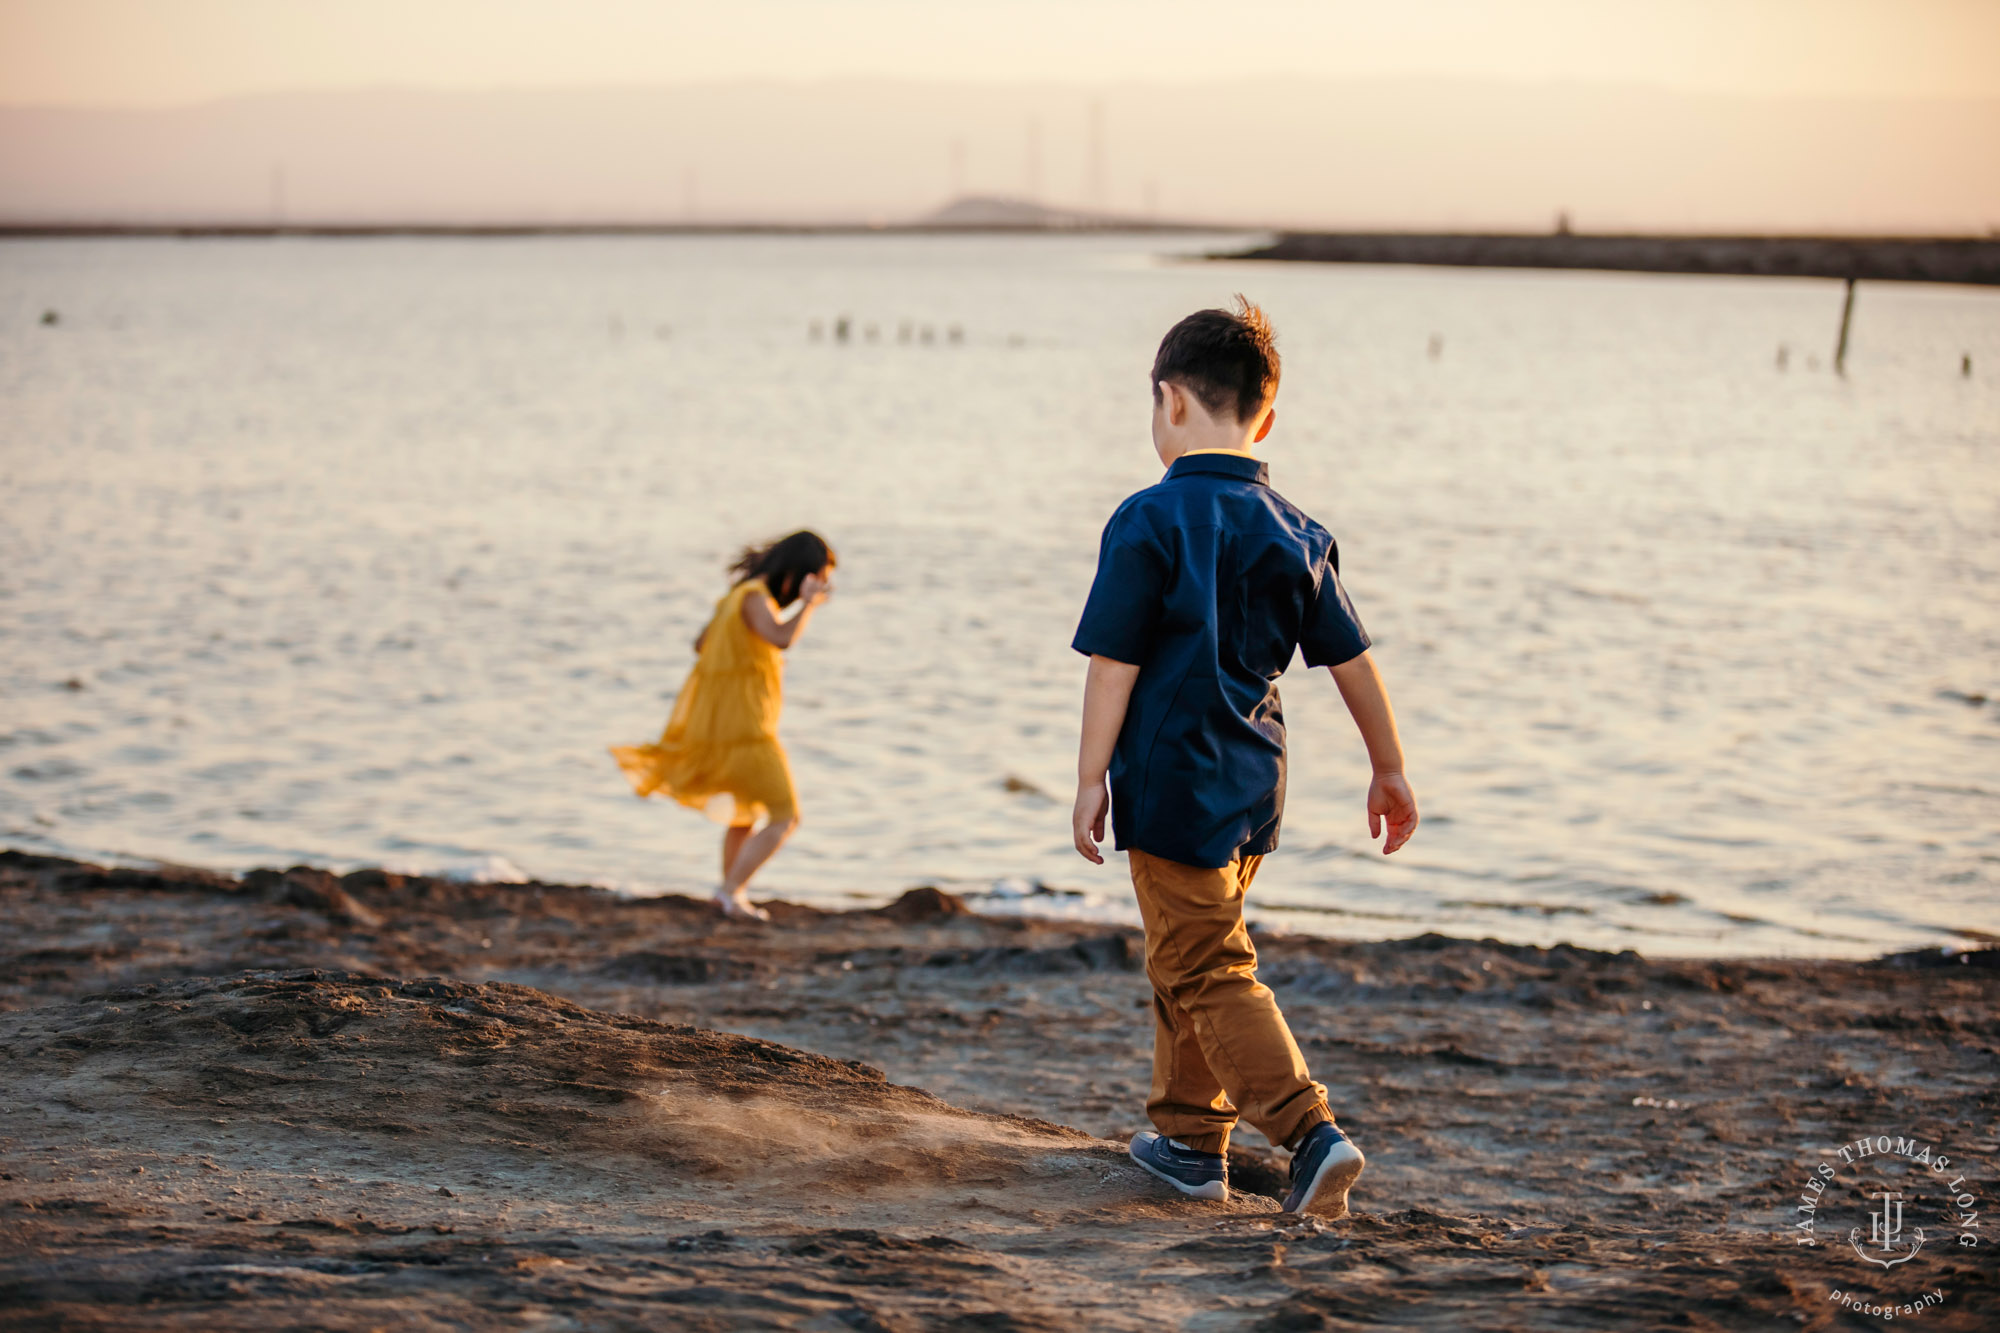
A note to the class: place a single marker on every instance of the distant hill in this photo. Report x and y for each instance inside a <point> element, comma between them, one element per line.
<point>1001,213</point>
<point>1441,154</point>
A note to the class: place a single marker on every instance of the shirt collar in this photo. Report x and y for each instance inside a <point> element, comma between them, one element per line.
<point>1242,467</point>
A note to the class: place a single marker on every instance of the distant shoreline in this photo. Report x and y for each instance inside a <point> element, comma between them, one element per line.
<point>231,231</point>
<point>1968,260</point>
<point>1973,261</point>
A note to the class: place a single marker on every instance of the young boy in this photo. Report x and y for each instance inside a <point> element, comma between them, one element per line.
<point>1206,584</point>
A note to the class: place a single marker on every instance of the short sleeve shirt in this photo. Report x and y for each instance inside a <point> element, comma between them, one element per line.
<point>1209,582</point>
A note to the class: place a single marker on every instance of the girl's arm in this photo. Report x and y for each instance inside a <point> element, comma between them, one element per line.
<point>764,622</point>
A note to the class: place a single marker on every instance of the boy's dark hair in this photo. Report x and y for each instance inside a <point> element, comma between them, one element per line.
<point>1226,358</point>
<point>784,564</point>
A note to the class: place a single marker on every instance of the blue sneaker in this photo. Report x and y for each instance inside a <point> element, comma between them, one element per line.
<point>1324,1166</point>
<point>1204,1175</point>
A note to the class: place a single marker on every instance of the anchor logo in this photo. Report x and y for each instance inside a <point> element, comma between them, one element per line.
<point>1885,1227</point>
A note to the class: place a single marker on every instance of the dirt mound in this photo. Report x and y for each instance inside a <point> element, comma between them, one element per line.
<point>508,1068</point>
<point>926,903</point>
<point>223,1153</point>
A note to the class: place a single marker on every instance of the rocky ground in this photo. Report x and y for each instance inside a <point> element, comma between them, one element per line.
<point>291,1100</point>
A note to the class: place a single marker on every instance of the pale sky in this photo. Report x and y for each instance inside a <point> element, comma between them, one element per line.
<point>172,52</point>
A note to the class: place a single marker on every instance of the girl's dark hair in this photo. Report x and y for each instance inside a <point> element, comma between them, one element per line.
<point>784,564</point>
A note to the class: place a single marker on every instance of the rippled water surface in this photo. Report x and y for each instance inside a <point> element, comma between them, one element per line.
<point>362,551</point>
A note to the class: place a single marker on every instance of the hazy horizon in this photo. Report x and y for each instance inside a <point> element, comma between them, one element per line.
<point>1161,83</point>
<point>1394,151</point>
<point>139,53</point>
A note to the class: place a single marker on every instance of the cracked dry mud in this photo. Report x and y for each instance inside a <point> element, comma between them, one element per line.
<point>292,1101</point>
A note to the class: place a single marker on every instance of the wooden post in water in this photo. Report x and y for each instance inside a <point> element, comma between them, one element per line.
<point>1846,318</point>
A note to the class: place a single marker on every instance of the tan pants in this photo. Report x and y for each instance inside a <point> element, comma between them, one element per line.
<point>1220,1046</point>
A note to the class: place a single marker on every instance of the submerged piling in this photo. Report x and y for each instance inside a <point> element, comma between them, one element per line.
<point>1846,318</point>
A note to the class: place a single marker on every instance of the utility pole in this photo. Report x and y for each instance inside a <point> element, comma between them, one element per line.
<point>1095,184</point>
<point>1034,160</point>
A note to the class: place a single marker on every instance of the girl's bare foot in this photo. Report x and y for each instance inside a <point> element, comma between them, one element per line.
<point>739,906</point>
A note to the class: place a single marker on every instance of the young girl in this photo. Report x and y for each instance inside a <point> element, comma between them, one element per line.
<point>720,750</point>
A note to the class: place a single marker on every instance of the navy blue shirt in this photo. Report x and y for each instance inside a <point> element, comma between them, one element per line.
<point>1207,582</point>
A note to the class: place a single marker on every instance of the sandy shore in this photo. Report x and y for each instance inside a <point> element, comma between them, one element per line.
<point>376,1102</point>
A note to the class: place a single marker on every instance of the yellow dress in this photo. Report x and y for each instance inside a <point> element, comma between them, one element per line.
<point>720,751</point>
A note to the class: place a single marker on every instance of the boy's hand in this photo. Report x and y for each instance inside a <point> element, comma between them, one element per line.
<point>1390,799</point>
<point>1086,822</point>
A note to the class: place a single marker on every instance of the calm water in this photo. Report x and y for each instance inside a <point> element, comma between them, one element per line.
<point>363,551</point>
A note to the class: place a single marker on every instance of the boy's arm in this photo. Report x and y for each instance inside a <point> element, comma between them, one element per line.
<point>1389,794</point>
<point>1107,690</point>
